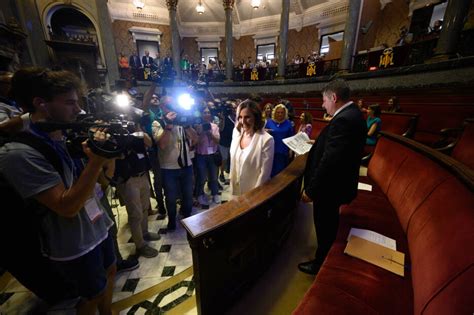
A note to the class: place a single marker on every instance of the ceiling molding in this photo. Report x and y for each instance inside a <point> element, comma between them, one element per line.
<point>328,15</point>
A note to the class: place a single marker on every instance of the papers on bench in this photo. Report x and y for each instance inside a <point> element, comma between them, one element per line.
<point>373,237</point>
<point>298,143</point>
<point>362,186</point>
<point>376,254</point>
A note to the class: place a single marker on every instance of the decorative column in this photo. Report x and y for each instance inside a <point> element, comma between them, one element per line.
<point>283,44</point>
<point>453,23</point>
<point>229,64</point>
<point>108,42</point>
<point>350,35</point>
<point>175,40</point>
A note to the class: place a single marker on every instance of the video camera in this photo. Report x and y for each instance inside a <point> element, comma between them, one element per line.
<point>186,104</point>
<point>111,113</point>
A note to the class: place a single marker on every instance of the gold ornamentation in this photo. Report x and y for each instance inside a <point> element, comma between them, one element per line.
<point>228,4</point>
<point>386,59</point>
<point>254,75</point>
<point>172,4</point>
<point>311,69</point>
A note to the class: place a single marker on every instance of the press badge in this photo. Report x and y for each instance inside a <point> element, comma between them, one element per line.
<point>140,156</point>
<point>210,150</point>
<point>92,209</point>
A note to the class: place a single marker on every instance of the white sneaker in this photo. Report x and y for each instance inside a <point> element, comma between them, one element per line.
<point>217,199</point>
<point>203,200</point>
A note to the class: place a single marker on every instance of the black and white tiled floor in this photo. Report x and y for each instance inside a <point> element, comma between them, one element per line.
<point>174,257</point>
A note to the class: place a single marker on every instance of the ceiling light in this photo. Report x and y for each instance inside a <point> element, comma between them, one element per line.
<point>139,4</point>
<point>200,8</point>
<point>255,3</point>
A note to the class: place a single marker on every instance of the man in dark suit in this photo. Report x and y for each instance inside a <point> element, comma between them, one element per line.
<point>135,64</point>
<point>332,169</point>
<point>147,62</point>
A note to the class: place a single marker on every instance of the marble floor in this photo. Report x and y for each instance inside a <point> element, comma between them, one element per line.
<point>164,284</point>
<point>174,258</point>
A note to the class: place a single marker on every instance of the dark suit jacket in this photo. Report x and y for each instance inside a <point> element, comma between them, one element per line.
<point>134,62</point>
<point>332,168</point>
<point>147,60</point>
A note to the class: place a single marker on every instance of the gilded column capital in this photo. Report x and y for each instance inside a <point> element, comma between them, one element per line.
<point>171,4</point>
<point>228,4</point>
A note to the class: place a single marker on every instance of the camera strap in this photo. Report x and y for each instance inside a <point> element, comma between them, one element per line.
<point>184,150</point>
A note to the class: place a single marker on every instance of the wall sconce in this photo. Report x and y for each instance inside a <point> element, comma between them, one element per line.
<point>139,4</point>
<point>255,4</point>
<point>200,8</point>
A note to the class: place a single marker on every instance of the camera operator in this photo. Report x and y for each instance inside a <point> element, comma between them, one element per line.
<point>153,112</point>
<point>71,222</point>
<point>207,157</point>
<point>226,126</point>
<point>134,188</point>
<point>174,143</point>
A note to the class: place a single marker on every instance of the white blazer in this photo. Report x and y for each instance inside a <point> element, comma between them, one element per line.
<point>257,164</point>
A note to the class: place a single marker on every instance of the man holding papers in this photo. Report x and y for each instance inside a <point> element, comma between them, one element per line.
<point>332,168</point>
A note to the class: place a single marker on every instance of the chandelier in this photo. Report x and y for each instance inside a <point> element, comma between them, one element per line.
<point>139,4</point>
<point>200,8</point>
<point>255,3</point>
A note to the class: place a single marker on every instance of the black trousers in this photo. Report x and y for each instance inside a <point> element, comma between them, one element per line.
<point>326,223</point>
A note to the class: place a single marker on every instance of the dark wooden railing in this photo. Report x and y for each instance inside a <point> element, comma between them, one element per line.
<point>235,242</point>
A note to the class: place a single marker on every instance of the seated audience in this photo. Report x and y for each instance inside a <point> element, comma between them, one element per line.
<point>394,105</point>
<point>306,123</point>
<point>251,150</point>
<point>360,104</point>
<point>374,124</point>
<point>280,128</point>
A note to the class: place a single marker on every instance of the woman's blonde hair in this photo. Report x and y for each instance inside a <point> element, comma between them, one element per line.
<point>278,107</point>
<point>264,114</point>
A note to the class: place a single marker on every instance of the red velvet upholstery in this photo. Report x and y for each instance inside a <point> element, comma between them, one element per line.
<point>464,149</point>
<point>417,201</point>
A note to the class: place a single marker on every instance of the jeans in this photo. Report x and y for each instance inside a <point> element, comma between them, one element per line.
<point>207,169</point>
<point>178,183</point>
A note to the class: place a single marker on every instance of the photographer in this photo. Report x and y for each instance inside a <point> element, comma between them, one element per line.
<point>153,112</point>
<point>174,143</point>
<point>65,208</point>
<point>207,155</point>
<point>226,126</point>
<point>133,187</point>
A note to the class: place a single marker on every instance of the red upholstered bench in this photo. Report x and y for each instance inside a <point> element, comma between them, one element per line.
<point>424,200</point>
<point>464,149</point>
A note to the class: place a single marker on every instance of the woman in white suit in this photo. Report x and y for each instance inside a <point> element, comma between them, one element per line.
<point>251,150</point>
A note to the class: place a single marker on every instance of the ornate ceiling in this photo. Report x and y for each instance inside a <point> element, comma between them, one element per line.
<point>246,20</point>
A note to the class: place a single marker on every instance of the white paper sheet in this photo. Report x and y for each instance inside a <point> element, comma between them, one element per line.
<point>363,171</point>
<point>373,237</point>
<point>298,143</point>
<point>362,186</point>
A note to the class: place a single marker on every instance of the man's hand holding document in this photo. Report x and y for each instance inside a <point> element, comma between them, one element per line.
<point>299,143</point>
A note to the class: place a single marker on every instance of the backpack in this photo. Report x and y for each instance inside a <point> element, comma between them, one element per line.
<point>20,230</point>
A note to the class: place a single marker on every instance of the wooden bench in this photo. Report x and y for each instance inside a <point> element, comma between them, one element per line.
<point>235,242</point>
<point>424,200</point>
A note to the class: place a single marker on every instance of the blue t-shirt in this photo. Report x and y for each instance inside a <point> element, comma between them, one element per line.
<point>372,140</point>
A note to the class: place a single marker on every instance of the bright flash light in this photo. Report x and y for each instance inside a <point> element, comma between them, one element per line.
<point>122,100</point>
<point>185,101</point>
